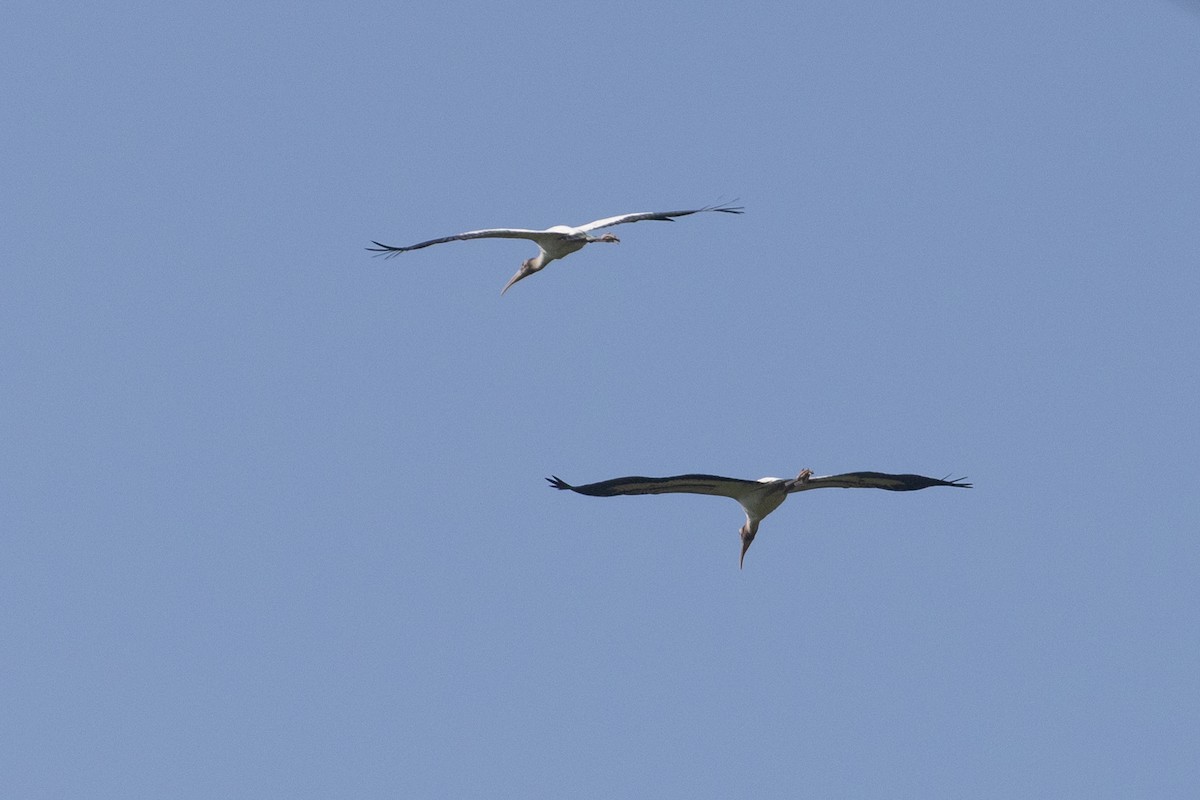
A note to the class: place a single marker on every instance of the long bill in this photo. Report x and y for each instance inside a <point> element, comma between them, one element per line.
<point>748,532</point>
<point>523,272</point>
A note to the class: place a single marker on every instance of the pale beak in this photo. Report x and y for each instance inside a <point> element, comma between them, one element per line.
<point>746,540</point>
<point>523,272</point>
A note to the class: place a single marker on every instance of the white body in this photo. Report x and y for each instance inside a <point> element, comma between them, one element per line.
<point>553,243</point>
<point>757,498</point>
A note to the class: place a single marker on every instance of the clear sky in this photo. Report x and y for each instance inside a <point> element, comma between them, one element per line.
<point>274,514</point>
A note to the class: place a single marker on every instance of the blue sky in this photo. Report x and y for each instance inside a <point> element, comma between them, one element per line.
<point>275,522</point>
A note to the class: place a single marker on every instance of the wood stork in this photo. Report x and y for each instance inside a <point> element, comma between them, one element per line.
<point>758,498</point>
<point>553,243</point>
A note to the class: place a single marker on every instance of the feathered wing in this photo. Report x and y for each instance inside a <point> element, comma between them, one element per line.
<point>487,233</point>
<point>540,237</point>
<point>636,484</point>
<point>665,216</point>
<point>873,480</point>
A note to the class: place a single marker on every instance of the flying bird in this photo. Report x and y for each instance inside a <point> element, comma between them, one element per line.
<point>553,243</point>
<point>758,498</point>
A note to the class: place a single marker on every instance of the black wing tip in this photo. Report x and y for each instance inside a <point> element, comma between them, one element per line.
<point>921,482</point>
<point>727,207</point>
<point>385,250</point>
<point>558,483</point>
<point>910,482</point>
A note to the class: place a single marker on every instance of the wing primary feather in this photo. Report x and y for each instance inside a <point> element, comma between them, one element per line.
<point>663,216</point>
<point>637,484</point>
<point>906,482</point>
<point>388,250</point>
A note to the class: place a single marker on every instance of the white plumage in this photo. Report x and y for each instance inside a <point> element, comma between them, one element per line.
<point>757,498</point>
<point>556,242</point>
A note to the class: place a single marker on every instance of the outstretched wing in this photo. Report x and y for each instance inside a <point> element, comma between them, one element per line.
<point>636,484</point>
<point>665,216</point>
<point>873,480</point>
<point>488,233</point>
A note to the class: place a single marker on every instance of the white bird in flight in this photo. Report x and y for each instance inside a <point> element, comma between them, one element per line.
<point>556,242</point>
<point>758,498</point>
